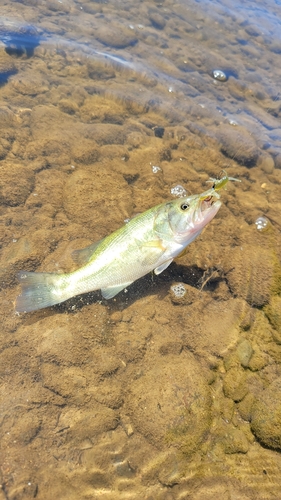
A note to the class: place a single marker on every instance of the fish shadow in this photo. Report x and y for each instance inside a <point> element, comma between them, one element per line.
<point>146,286</point>
<point>143,287</point>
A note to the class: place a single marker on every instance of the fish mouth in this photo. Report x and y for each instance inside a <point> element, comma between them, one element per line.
<point>203,209</point>
<point>208,205</point>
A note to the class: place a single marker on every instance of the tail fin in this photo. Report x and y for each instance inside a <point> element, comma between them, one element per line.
<point>39,290</point>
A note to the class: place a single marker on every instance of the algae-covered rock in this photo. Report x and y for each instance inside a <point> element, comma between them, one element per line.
<point>273,312</point>
<point>247,153</point>
<point>87,423</point>
<point>16,183</point>
<point>245,406</point>
<point>266,415</point>
<point>25,253</point>
<point>244,352</point>
<point>235,383</point>
<point>235,442</point>
<point>215,330</point>
<point>83,202</point>
<point>170,403</point>
<point>253,273</point>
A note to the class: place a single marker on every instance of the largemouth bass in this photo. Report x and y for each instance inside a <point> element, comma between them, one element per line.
<point>149,241</point>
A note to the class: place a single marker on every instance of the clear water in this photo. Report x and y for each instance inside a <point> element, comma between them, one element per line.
<point>171,390</point>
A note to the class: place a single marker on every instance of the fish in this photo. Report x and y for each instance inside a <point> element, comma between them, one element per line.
<point>148,242</point>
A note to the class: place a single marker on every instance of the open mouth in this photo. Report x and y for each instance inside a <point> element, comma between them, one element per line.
<point>209,201</point>
<point>207,209</point>
<point>209,197</point>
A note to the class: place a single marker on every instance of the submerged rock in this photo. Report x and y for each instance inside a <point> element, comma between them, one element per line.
<point>7,68</point>
<point>116,36</point>
<point>273,312</point>
<point>253,274</point>
<point>266,415</point>
<point>239,144</point>
<point>172,408</point>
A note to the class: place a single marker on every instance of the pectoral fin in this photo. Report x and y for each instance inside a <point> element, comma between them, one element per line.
<point>111,291</point>
<point>163,266</point>
<point>152,251</point>
<point>83,256</point>
<point>158,244</point>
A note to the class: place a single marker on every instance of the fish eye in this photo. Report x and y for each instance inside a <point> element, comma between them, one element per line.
<point>184,206</point>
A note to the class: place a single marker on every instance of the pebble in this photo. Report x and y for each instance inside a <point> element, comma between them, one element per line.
<point>116,36</point>
<point>235,442</point>
<point>238,144</point>
<point>245,406</point>
<point>157,20</point>
<point>235,384</point>
<point>244,352</point>
<point>266,163</point>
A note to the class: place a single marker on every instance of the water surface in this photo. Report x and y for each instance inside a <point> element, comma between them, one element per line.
<point>104,109</point>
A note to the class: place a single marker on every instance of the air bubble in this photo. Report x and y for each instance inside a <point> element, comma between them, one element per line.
<point>155,169</point>
<point>178,290</point>
<point>178,191</point>
<point>262,223</point>
<point>218,74</point>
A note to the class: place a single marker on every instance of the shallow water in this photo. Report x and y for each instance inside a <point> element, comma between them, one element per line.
<point>171,390</point>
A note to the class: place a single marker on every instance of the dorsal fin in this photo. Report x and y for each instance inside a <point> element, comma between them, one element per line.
<point>83,256</point>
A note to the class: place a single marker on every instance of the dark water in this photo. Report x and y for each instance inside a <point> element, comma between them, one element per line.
<point>163,392</point>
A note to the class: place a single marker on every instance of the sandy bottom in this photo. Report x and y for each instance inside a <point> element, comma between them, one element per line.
<point>153,394</point>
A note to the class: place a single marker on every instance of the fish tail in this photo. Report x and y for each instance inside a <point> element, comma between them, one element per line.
<point>40,290</point>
